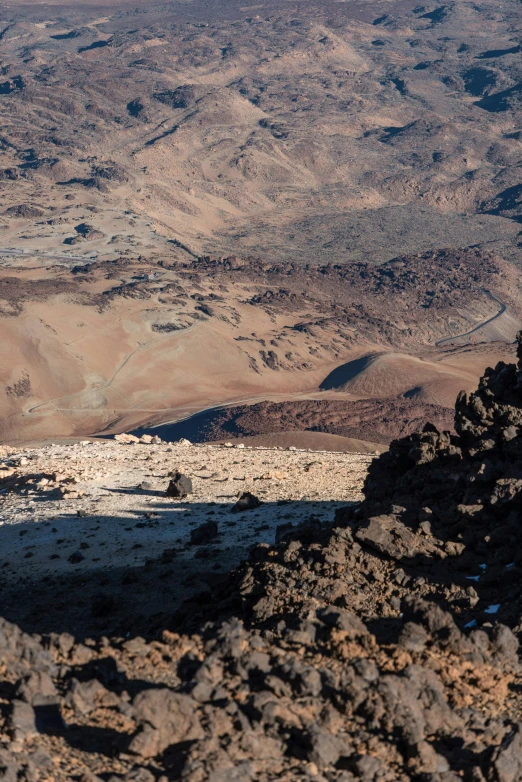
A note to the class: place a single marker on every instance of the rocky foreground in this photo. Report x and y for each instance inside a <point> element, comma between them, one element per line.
<point>379,647</point>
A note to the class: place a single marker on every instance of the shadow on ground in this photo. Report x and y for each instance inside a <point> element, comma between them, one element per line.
<point>147,569</point>
<point>140,570</point>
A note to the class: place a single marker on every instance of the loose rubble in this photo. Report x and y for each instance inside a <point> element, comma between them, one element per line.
<point>380,647</point>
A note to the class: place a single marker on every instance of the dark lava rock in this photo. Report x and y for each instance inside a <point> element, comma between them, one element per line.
<point>363,649</point>
<point>87,231</point>
<point>205,533</point>
<point>76,557</point>
<point>16,84</point>
<point>179,486</point>
<point>136,107</point>
<point>247,501</point>
<point>164,718</point>
<point>24,210</point>
<point>180,98</point>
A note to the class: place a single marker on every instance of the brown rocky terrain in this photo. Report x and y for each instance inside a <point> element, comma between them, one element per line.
<point>381,646</point>
<point>92,520</point>
<point>356,163</point>
<point>371,420</point>
<point>316,131</point>
<point>292,230</point>
<point>181,337</point>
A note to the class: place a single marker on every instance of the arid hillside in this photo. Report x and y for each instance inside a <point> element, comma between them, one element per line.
<point>111,346</point>
<point>381,645</point>
<point>207,203</point>
<point>310,131</point>
<point>260,411</point>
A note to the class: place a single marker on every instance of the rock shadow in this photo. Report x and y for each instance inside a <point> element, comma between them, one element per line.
<point>123,574</point>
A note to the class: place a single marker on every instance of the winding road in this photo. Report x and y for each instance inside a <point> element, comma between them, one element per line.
<point>480,325</point>
<point>109,382</point>
<point>42,256</point>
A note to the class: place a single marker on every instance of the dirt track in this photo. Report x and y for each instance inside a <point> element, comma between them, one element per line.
<point>456,337</point>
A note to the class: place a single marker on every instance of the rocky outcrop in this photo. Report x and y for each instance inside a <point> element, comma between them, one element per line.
<point>323,700</point>
<point>367,649</point>
<point>180,485</point>
<point>459,493</point>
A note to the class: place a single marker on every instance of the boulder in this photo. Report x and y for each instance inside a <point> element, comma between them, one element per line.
<point>247,501</point>
<point>180,486</point>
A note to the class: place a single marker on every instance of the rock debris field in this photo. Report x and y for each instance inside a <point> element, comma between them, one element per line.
<point>380,644</point>
<point>89,509</point>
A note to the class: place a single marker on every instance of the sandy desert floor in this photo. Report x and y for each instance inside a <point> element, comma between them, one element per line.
<point>108,347</point>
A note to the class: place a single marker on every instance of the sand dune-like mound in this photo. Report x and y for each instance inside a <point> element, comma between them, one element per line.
<point>395,374</point>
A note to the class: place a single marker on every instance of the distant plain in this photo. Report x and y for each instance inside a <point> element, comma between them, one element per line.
<point>143,143</point>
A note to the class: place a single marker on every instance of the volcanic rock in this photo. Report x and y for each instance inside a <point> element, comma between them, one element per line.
<point>356,649</point>
<point>246,501</point>
<point>24,210</point>
<point>76,557</point>
<point>180,485</point>
<point>205,533</point>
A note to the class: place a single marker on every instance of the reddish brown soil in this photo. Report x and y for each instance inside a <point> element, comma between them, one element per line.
<point>376,420</point>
